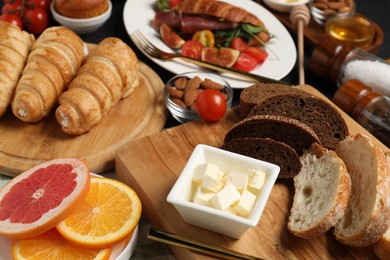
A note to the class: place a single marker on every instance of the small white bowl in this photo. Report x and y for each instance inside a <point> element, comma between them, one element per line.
<point>210,218</point>
<point>284,6</point>
<point>82,26</point>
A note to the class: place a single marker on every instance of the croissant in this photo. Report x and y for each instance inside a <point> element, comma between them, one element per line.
<point>52,63</point>
<point>15,46</point>
<point>218,9</point>
<point>109,74</point>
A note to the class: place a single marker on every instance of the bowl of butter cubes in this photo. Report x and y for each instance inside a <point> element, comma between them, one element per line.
<point>222,191</point>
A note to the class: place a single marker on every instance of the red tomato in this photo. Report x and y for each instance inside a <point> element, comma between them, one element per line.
<point>193,49</point>
<point>36,20</point>
<point>12,7</point>
<point>172,3</point>
<point>258,53</point>
<point>238,43</point>
<point>211,104</point>
<point>245,62</point>
<point>44,4</point>
<point>13,19</point>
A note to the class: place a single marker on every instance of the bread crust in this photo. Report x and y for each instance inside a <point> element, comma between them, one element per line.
<point>218,9</point>
<point>382,247</point>
<point>339,200</point>
<point>354,151</point>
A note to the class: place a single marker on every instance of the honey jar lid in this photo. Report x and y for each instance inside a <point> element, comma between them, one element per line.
<point>349,94</point>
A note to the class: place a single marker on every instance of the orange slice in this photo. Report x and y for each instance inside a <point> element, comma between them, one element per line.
<point>51,245</point>
<point>108,214</point>
<point>41,197</point>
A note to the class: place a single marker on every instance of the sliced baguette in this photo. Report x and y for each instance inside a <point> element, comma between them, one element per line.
<point>368,214</point>
<point>382,247</point>
<point>322,191</point>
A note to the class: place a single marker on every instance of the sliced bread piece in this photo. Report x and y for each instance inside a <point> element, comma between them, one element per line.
<point>322,190</point>
<point>283,129</point>
<point>368,214</point>
<point>382,247</point>
<point>315,112</point>
<point>267,150</point>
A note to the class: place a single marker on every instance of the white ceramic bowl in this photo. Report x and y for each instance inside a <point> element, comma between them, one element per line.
<point>284,6</point>
<point>210,218</point>
<point>82,26</point>
<point>183,115</point>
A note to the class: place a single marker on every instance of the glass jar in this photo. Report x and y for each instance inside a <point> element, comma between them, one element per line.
<point>368,69</point>
<point>370,109</point>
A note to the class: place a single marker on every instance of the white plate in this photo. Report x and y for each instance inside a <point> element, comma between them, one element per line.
<point>137,15</point>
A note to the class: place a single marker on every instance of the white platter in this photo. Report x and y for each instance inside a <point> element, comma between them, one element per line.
<point>137,15</point>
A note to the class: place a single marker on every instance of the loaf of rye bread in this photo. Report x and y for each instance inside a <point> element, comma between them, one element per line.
<point>268,150</point>
<point>279,128</point>
<point>315,112</point>
<point>322,191</point>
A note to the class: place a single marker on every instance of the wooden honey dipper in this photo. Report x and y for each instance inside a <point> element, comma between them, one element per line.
<point>300,17</point>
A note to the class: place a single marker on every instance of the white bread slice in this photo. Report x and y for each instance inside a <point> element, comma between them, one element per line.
<point>368,214</point>
<point>322,191</point>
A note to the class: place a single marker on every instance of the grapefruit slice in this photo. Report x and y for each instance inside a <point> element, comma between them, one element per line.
<point>108,215</point>
<point>41,197</point>
<point>52,244</point>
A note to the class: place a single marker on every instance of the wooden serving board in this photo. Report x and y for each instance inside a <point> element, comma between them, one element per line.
<point>23,145</point>
<point>151,165</point>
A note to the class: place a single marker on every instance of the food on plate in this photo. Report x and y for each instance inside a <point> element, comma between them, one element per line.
<point>382,247</point>
<point>283,129</point>
<point>313,111</point>
<point>268,150</point>
<point>322,191</point>
<point>15,46</point>
<point>214,24</point>
<point>81,9</point>
<point>109,74</point>
<point>54,59</point>
<point>30,15</point>
<point>207,97</point>
<point>112,210</point>
<point>232,192</point>
<point>367,217</point>
<point>38,199</point>
<point>59,248</point>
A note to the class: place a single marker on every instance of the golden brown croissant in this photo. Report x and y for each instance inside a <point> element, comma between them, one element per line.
<point>218,9</point>
<point>109,74</point>
<point>52,63</point>
<point>15,46</point>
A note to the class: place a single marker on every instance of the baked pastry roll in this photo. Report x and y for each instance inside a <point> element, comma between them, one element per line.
<point>52,63</point>
<point>15,46</point>
<point>109,74</point>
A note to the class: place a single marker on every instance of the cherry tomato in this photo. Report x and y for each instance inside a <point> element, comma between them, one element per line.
<point>13,19</point>
<point>245,62</point>
<point>211,104</point>
<point>35,20</point>
<point>238,43</point>
<point>256,52</point>
<point>206,37</point>
<point>12,7</point>
<point>44,4</point>
<point>193,49</point>
<point>172,3</point>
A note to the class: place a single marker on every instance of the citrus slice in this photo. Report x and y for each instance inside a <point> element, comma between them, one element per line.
<point>51,245</point>
<point>108,214</point>
<point>41,197</point>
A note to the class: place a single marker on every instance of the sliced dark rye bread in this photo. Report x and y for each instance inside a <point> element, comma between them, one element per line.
<point>315,112</point>
<point>268,150</point>
<point>279,128</point>
<point>255,94</point>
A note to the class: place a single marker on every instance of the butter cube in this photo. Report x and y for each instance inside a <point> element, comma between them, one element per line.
<point>230,210</point>
<point>239,180</point>
<point>203,197</point>
<point>211,183</point>
<point>226,197</point>
<point>245,204</point>
<point>206,169</point>
<point>256,181</point>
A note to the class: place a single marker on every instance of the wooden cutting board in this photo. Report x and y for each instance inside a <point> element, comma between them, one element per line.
<point>23,145</point>
<point>151,165</point>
